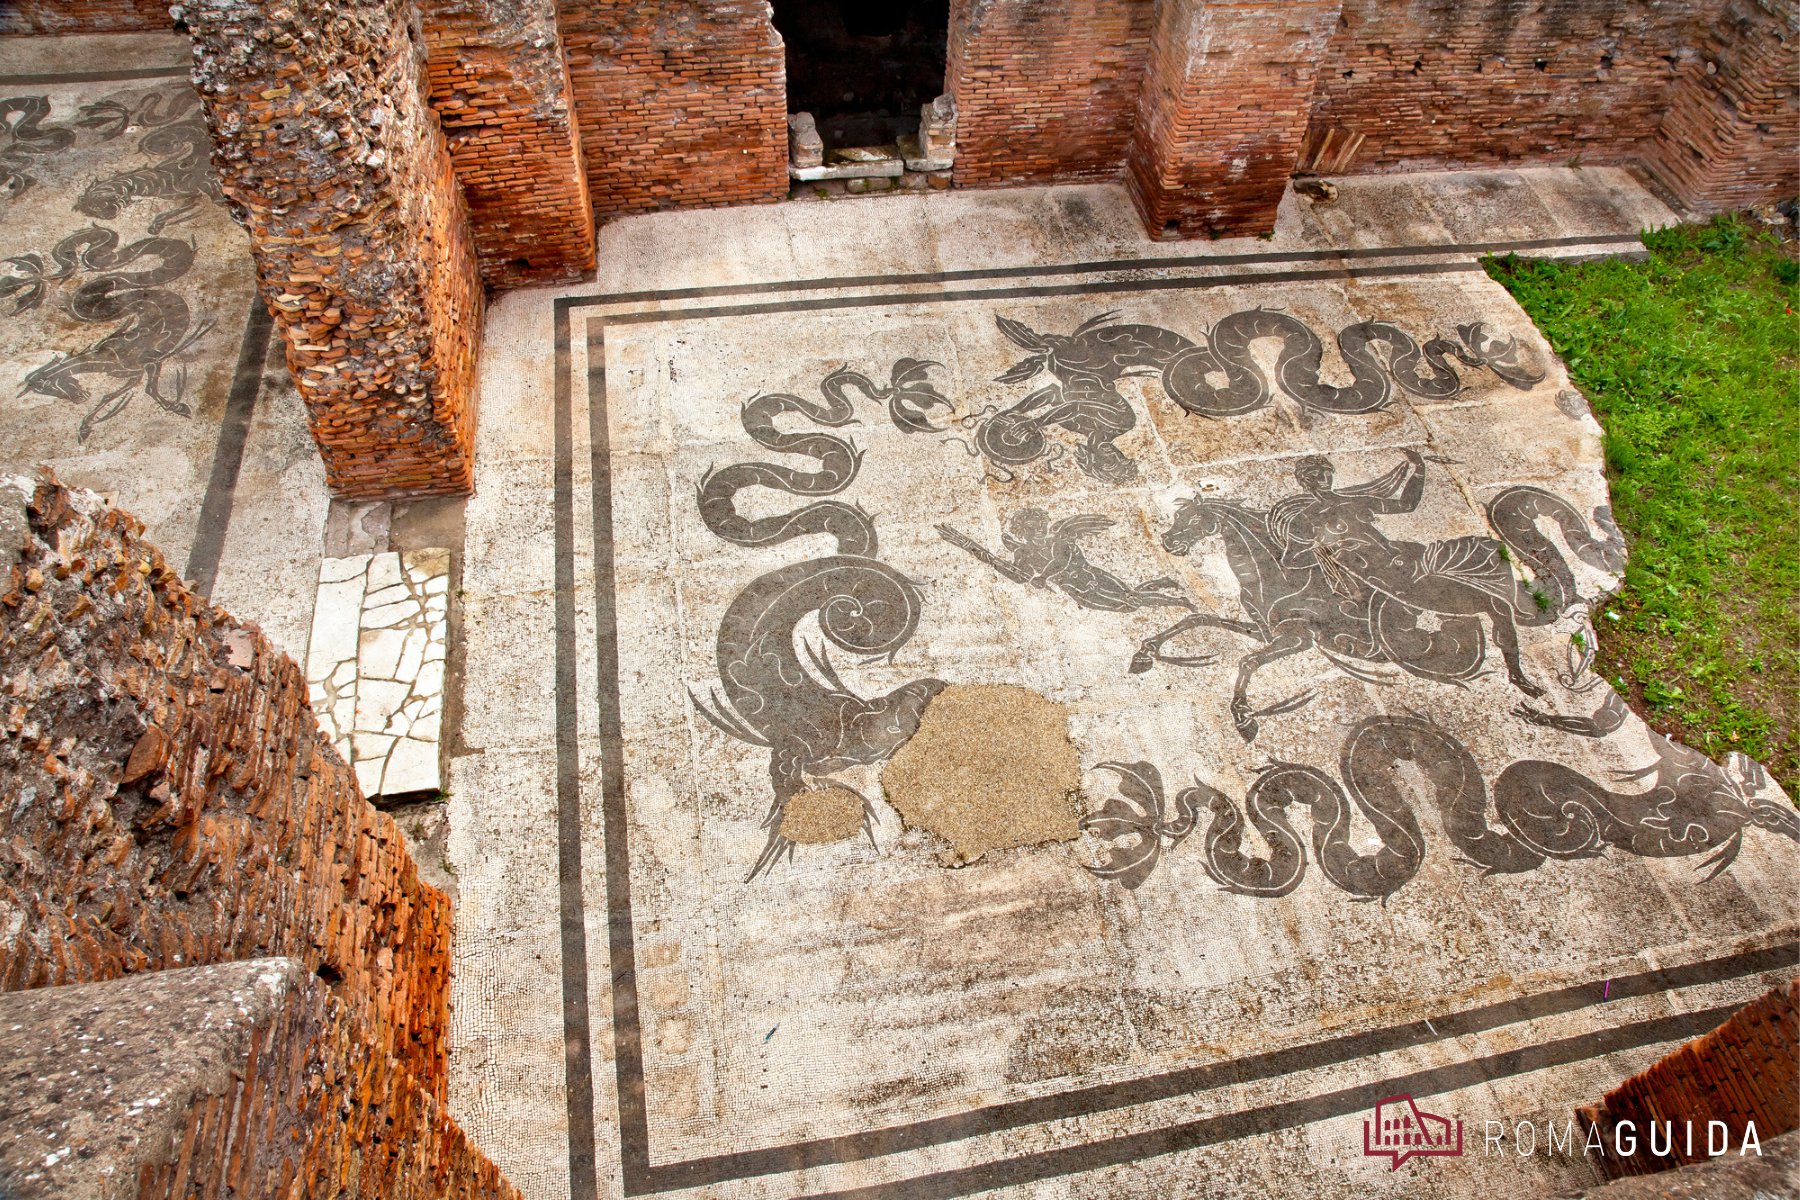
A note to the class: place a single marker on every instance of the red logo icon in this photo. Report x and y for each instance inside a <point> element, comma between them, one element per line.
<point>1401,1130</point>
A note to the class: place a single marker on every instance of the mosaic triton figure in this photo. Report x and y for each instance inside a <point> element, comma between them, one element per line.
<point>1317,572</point>
<point>1046,555</point>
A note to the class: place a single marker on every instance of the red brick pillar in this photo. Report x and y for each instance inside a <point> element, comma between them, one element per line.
<point>334,163</point>
<point>501,90</point>
<point>1222,113</point>
<point>1728,136</point>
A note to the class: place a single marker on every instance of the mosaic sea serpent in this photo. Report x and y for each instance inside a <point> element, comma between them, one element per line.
<point>810,721</point>
<point>1544,810</point>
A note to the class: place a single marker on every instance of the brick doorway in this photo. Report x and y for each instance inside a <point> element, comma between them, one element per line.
<point>863,68</point>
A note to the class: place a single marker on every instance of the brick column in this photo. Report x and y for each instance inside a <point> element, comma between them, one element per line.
<point>1222,113</point>
<point>335,164</point>
<point>1728,135</point>
<point>501,90</point>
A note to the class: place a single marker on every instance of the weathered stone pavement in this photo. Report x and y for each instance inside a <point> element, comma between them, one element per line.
<point>959,698</point>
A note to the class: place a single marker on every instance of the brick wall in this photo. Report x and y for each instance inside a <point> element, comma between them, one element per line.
<point>1729,136</point>
<point>1433,84</point>
<point>501,91</point>
<point>1223,112</point>
<point>85,16</point>
<point>682,103</point>
<point>1745,1071</point>
<point>333,161</point>
<point>1046,90</point>
<point>166,799</point>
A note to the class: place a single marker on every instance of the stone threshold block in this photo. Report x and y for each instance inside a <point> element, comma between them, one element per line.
<point>242,1079</point>
<point>375,665</point>
<point>916,158</point>
<point>861,162</point>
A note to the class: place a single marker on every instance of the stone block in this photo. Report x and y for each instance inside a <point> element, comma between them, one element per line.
<point>805,147</point>
<point>863,162</point>
<point>916,158</point>
<point>937,129</point>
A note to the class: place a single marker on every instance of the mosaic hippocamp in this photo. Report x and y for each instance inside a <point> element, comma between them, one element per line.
<point>1316,572</point>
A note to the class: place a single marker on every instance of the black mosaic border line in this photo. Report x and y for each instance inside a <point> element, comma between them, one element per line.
<point>228,452</point>
<point>640,1176</point>
<point>1186,262</point>
<point>1271,1118</point>
<point>117,75</point>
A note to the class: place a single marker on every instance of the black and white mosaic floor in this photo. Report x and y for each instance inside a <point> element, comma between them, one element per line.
<point>958,699</point>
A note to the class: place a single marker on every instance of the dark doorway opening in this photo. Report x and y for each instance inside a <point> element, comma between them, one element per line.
<point>863,68</point>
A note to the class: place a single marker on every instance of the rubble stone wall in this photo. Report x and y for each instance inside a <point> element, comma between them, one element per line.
<point>682,103</point>
<point>1046,90</point>
<point>1222,113</point>
<point>335,164</point>
<point>500,87</point>
<point>85,16</point>
<point>1729,135</point>
<point>166,799</point>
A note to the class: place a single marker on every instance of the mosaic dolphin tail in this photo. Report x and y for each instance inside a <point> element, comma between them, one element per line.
<point>1545,810</point>
<point>1515,513</point>
<point>909,395</point>
<point>29,139</point>
<point>802,712</point>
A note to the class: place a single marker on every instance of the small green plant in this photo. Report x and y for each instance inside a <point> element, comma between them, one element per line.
<point>1542,601</point>
<point>1724,236</point>
<point>1691,364</point>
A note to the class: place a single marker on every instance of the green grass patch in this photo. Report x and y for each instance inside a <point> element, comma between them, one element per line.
<point>1691,362</point>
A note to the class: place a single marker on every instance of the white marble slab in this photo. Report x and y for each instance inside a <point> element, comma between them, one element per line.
<point>376,668</point>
